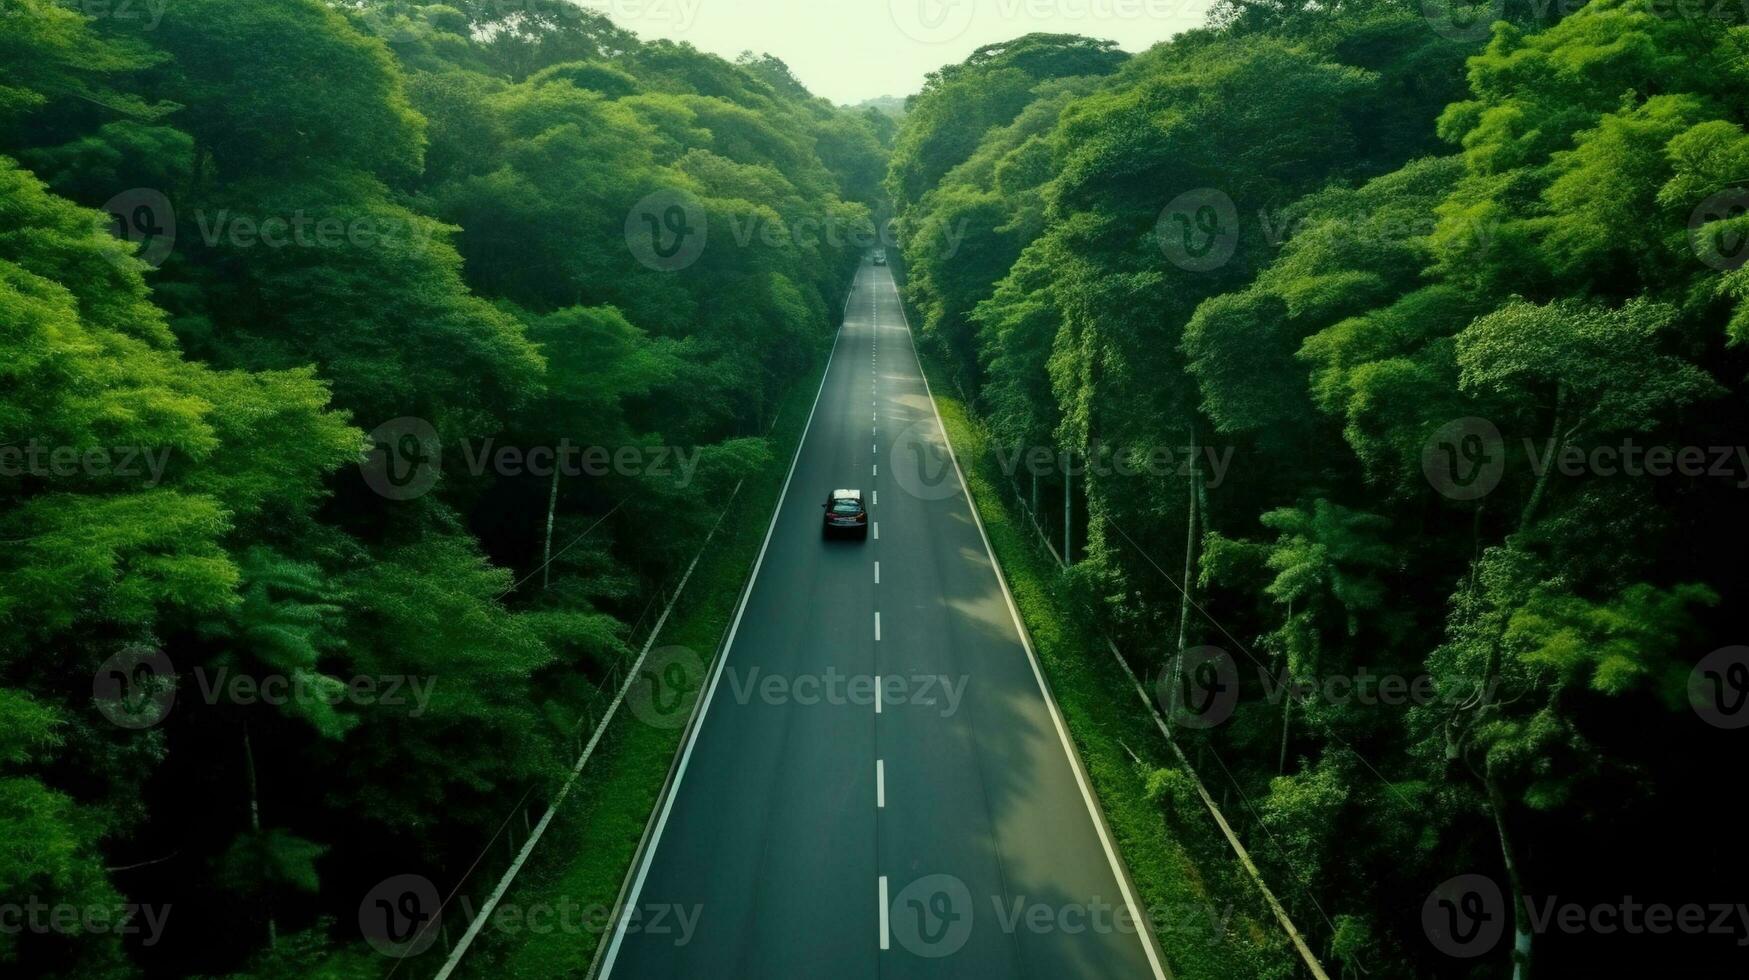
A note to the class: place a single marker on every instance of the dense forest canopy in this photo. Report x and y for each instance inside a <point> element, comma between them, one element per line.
<point>1428,290</point>
<point>368,368</point>
<point>359,250</point>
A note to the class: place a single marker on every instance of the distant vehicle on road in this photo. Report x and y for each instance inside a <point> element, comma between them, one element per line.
<point>880,257</point>
<point>844,514</point>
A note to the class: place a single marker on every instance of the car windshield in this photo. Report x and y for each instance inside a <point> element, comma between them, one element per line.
<point>845,505</point>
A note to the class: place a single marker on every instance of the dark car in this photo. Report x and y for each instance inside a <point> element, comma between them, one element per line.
<point>880,257</point>
<point>844,514</point>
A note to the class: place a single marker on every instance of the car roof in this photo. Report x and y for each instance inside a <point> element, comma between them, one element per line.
<point>852,494</point>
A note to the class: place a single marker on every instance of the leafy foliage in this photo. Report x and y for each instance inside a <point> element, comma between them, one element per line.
<point>1536,234</point>
<point>386,212</point>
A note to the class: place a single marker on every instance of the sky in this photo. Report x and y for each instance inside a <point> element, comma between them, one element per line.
<point>851,50</point>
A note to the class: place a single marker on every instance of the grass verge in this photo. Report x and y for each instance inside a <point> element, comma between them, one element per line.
<point>581,862</point>
<point>1210,922</point>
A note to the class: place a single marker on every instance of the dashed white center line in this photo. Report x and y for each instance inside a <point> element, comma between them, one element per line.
<point>877,498</point>
<point>886,941</point>
<point>877,680</point>
<point>877,573</point>
<point>875,470</point>
<point>880,785</point>
<point>875,449</point>
<point>877,530</point>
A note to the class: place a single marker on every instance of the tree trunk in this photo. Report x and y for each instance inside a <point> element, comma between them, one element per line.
<point>1553,445</point>
<point>1521,932</point>
<point>255,823</point>
<point>546,560</point>
<point>1287,713</point>
<point>1185,586</point>
<point>1068,507</point>
<point>1287,698</point>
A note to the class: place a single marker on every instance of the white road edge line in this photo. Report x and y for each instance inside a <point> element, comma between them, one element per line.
<point>1093,812</point>
<point>885,941</point>
<point>619,931</point>
<point>880,784</point>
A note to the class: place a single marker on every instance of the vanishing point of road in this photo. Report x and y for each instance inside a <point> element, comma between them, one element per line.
<point>878,785</point>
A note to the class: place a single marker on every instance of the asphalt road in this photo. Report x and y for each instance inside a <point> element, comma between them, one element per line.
<point>878,785</point>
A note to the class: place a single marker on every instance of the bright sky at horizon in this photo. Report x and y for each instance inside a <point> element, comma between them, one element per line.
<point>851,50</point>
